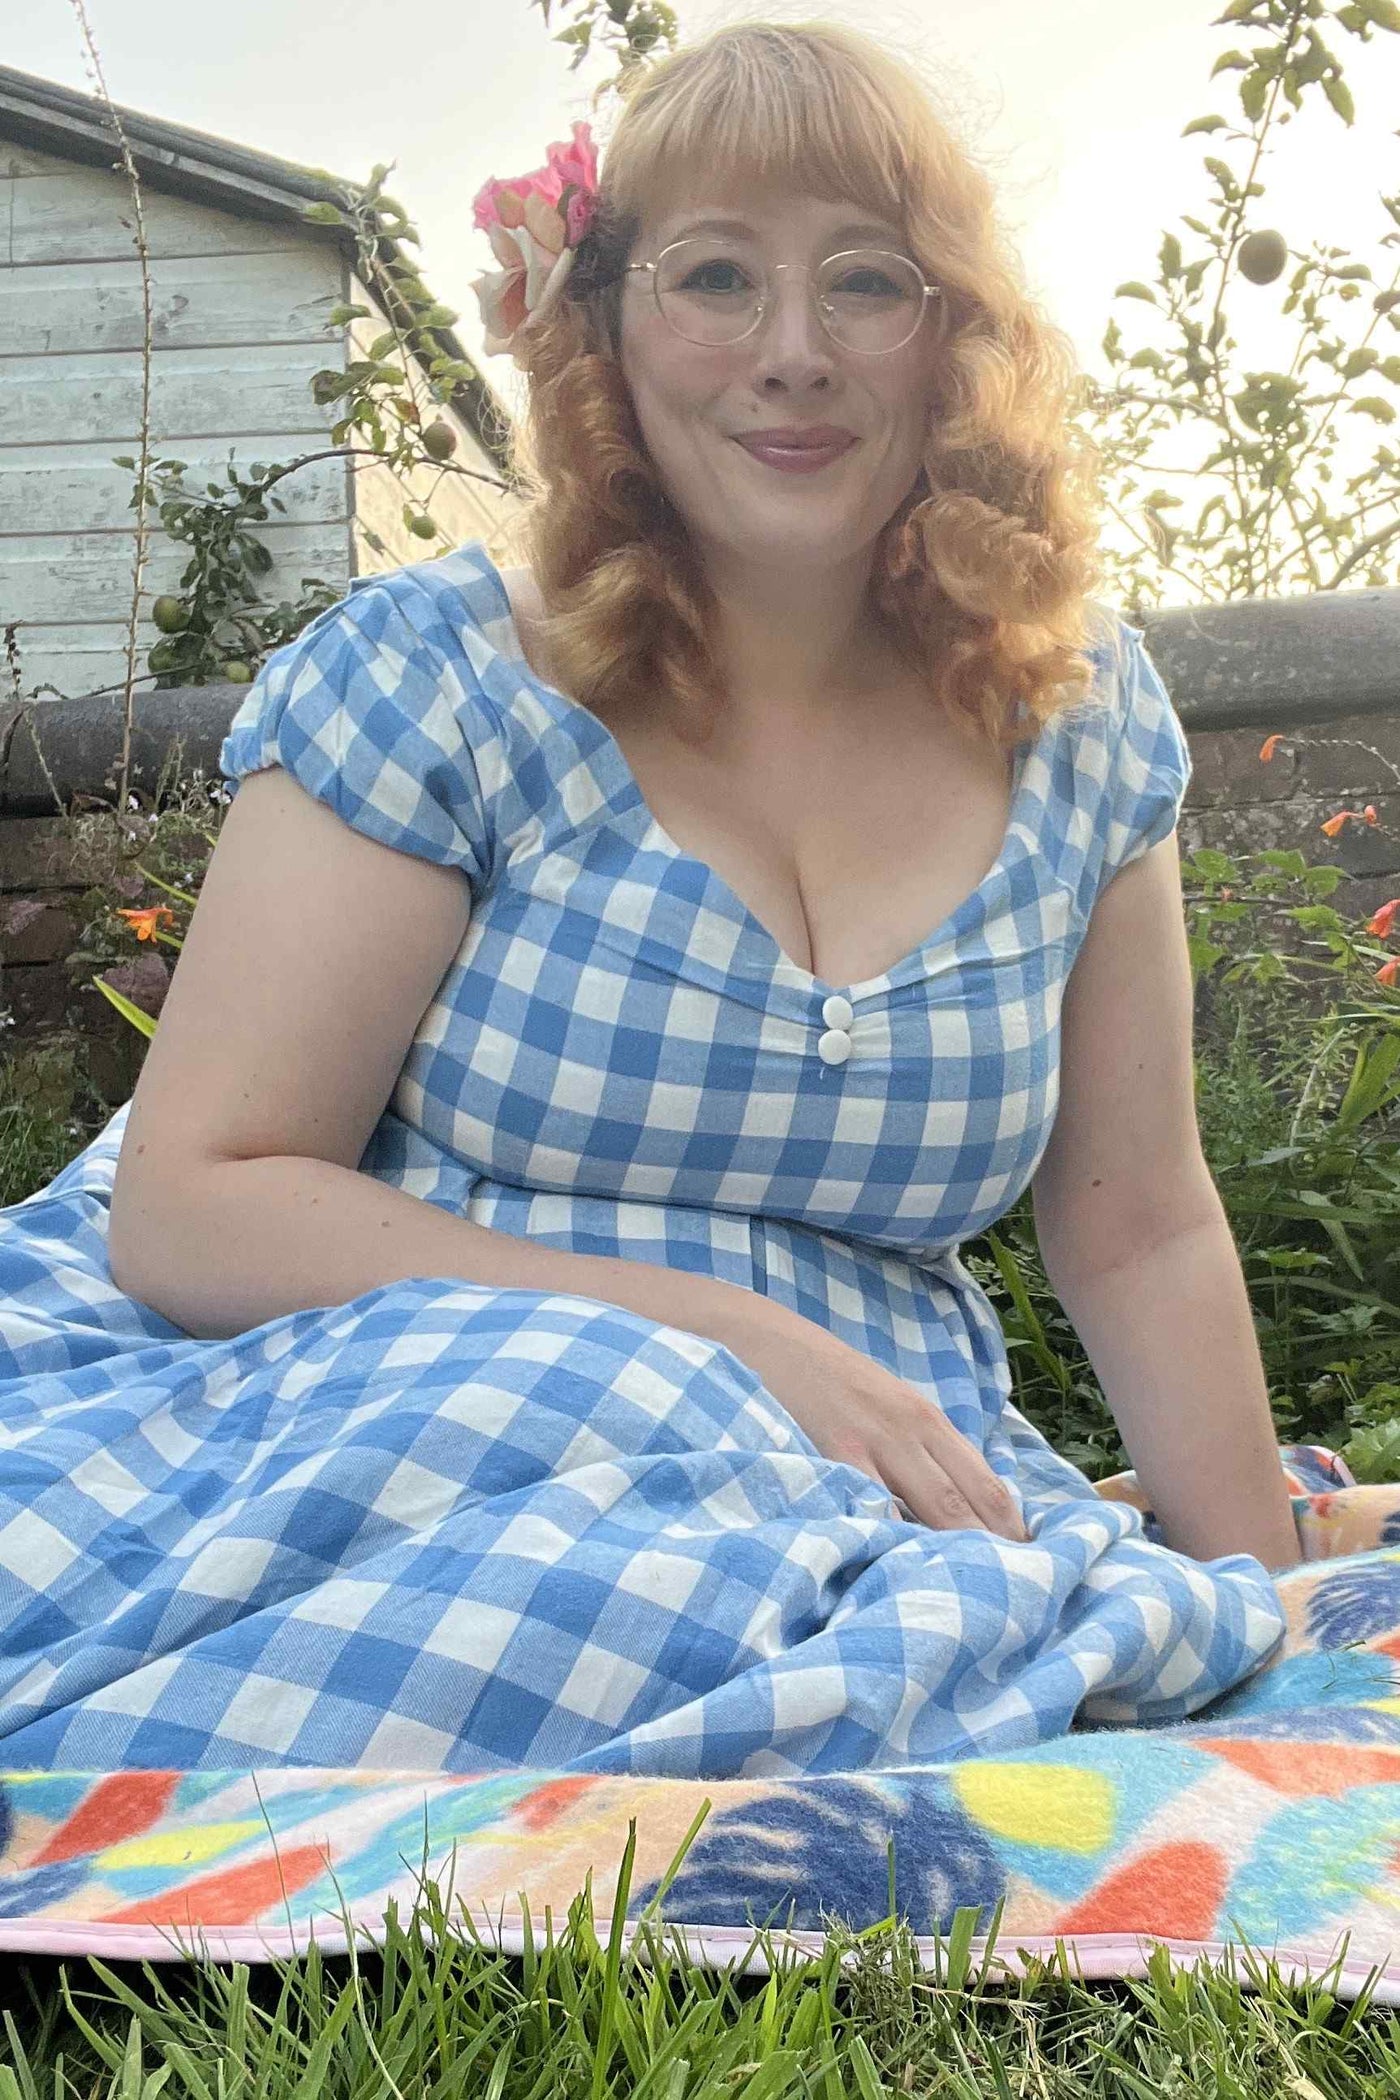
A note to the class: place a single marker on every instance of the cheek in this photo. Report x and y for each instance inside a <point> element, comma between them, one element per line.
<point>671,383</point>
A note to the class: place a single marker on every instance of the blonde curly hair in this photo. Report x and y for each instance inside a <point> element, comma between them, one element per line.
<point>981,578</point>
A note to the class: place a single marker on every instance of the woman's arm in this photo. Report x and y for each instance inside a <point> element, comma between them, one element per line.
<point>309,961</point>
<point>239,1241</point>
<point>1170,1335</point>
<point>1135,1240</point>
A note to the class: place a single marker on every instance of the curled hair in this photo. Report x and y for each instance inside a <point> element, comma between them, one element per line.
<point>981,578</point>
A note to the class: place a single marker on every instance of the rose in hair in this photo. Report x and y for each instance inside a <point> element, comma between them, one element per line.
<point>534,223</point>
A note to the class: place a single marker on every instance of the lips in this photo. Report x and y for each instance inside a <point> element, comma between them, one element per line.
<point>802,457</point>
<point>825,437</point>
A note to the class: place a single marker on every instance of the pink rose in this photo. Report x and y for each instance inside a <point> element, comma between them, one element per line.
<point>579,217</point>
<point>576,163</point>
<point>534,222</point>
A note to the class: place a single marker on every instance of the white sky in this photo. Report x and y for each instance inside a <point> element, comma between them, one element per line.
<point>1076,111</point>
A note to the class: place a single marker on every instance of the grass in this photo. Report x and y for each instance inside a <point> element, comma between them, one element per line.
<point>437,2012</point>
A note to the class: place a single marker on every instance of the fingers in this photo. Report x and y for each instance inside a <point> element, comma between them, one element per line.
<point>931,1496</point>
<point>970,1473</point>
<point>953,1487</point>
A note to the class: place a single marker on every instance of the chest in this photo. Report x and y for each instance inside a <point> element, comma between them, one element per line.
<point>849,842</point>
<point>848,837</point>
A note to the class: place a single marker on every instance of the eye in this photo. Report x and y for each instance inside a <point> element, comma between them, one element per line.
<point>870,283</point>
<point>701,277</point>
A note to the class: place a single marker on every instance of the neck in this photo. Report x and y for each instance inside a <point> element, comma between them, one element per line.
<point>793,640</point>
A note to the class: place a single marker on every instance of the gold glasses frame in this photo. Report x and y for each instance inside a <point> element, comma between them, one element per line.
<point>765,300</point>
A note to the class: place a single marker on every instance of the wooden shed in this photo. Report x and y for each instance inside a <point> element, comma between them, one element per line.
<point>242,288</point>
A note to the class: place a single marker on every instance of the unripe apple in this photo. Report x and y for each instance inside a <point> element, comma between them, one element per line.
<point>439,440</point>
<point>1262,256</point>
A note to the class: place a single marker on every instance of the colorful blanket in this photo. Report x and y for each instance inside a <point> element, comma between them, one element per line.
<point>1270,1821</point>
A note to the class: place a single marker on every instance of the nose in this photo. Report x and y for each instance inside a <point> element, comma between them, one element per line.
<point>790,334</point>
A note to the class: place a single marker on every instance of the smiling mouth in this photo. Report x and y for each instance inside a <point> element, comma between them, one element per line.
<point>775,451</point>
<point>777,444</point>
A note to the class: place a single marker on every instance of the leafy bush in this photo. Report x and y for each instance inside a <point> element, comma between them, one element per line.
<point>1298,1104</point>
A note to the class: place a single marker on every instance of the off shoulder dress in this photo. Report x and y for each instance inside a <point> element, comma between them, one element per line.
<point>451,1527</point>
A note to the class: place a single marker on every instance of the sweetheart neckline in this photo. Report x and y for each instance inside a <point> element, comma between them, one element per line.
<point>907,966</point>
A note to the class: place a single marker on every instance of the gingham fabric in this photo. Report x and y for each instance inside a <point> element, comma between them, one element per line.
<point>450,1527</point>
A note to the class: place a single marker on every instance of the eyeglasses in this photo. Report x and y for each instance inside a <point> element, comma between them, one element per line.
<point>717,291</point>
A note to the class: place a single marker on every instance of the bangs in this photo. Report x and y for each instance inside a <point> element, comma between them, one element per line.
<point>763,112</point>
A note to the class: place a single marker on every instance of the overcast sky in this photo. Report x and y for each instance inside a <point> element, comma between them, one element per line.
<point>1077,112</point>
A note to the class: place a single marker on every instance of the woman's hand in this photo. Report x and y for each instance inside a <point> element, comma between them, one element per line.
<point>868,1417</point>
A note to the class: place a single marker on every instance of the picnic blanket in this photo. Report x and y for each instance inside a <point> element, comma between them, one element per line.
<point>1269,1821</point>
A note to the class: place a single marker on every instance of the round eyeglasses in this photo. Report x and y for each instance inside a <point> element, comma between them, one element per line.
<point>713,291</point>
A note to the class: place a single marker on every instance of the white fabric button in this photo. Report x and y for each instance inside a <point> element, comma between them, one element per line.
<point>834,1047</point>
<point>838,1012</point>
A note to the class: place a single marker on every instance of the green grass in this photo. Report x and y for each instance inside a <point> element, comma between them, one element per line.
<point>437,2012</point>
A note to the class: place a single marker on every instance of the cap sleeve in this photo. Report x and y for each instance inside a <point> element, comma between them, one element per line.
<point>1149,766</point>
<point>380,720</point>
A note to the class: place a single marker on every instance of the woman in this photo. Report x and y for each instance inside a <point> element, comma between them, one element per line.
<point>531,1329</point>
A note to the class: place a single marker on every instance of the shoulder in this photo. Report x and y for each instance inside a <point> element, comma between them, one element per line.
<point>522,591</point>
<point>527,613</point>
<point>438,603</point>
<point>1096,718</point>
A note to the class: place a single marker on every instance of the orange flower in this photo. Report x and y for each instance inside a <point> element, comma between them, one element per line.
<point>1334,824</point>
<point>1382,923</point>
<point>1369,813</point>
<point>1388,971</point>
<point>143,923</point>
<point>1270,745</point>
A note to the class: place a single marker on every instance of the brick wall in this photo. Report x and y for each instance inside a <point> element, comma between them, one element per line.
<point>44,870</point>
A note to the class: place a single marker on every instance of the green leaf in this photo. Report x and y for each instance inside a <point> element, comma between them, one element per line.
<point>325,215</point>
<point>1374,1454</point>
<point>383,344</point>
<point>1212,865</point>
<point>1198,124</point>
<point>1370,1087</point>
<point>872,2086</point>
<point>1253,90</point>
<point>1231,62</point>
<point>1372,405</point>
<point>1339,95</point>
<point>1134,290</point>
<point>1384,13</point>
<point>126,1009</point>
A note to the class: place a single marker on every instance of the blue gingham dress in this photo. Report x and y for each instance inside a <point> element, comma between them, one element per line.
<point>450,1527</point>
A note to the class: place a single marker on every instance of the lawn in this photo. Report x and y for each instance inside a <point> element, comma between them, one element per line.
<point>437,2011</point>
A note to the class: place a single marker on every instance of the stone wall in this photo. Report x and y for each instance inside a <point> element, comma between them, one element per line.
<point>1323,670</point>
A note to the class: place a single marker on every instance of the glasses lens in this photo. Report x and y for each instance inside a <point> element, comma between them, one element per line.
<point>709,291</point>
<point>872,300</point>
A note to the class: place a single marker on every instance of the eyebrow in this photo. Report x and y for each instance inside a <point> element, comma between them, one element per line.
<point>858,229</point>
